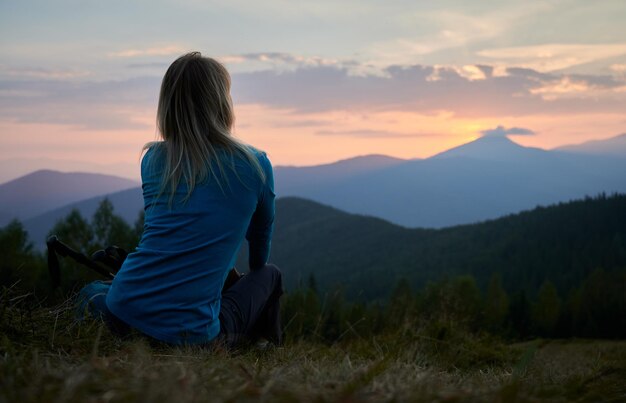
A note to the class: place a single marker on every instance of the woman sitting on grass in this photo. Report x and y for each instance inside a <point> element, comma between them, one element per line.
<point>204,192</point>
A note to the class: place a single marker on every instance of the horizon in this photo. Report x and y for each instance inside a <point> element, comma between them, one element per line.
<point>135,176</point>
<point>312,84</point>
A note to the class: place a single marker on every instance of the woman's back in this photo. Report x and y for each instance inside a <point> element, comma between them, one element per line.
<point>204,192</point>
<point>169,288</point>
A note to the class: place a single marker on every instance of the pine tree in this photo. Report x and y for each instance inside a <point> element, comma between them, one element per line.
<point>110,229</point>
<point>466,301</point>
<point>17,255</point>
<point>75,231</point>
<point>401,304</point>
<point>311,314</point>
<point>332,325</point>
<point>546,310</point>
<point>519,315</point>
<point>496,304</point>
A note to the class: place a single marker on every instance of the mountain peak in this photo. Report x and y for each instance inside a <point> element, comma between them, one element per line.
<point>495,139</point>
<point>370,160</point>
<point>45,190</point>
<point>367,161</point>
<point>490,148</point>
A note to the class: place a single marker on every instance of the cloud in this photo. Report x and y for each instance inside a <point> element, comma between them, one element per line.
<point>278,62</point>
<point>368,133</point>
<point>553,57</point>
<point>563,87</point>
<point>576,86</point>
<point>450,29</point>
<point>278,58</point>
<point>619,71</point>
<point>149,65</point>
<point>42,73</point>
<point>618,68</point>
<point>301,123</point>
<point>85,105</point>
<point>164,50</point>
<point>470,72</point>
<point>468,91</point>
<point>501,131</point>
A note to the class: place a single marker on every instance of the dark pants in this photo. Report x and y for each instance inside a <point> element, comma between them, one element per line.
<point>250,308</point>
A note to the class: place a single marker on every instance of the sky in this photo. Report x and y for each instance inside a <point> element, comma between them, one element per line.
<point>313,82</point>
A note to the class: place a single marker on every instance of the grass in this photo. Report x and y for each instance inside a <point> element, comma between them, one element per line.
<point>46,356</point>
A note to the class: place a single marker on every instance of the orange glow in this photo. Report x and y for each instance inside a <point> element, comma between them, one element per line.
<point>292,138</point>
<point>34,140</point>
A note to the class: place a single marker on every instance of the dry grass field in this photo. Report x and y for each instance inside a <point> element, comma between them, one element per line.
<point>45,356</point>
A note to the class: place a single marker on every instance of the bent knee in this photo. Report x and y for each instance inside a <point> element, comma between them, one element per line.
<point>273,270</point>
<point>275,273</point>
<point>272,267</point>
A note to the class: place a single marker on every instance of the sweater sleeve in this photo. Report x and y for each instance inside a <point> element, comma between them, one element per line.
<point>259,234</point>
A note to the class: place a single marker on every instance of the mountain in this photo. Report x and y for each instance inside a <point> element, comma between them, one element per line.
<point>363,163</point>
<point>614,146</point>
<point>46,190</point>
<point>367,256</point>
<point>290,179</point>
<point>13,168</point>
<point>492,148</point>
<point>480,180</point>
<point>127,204</point>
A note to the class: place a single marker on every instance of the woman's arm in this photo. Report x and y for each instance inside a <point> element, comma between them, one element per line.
<point>259,234</point>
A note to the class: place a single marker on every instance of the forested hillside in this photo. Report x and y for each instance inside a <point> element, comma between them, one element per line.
<point>367,256</point>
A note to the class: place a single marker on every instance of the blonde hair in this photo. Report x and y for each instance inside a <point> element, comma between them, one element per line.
<point>195,118</point>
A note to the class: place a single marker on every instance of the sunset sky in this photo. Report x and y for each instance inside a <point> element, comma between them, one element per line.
<point>315,81</point>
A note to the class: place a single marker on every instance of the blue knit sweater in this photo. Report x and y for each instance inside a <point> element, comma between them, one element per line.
<point>170,287</point>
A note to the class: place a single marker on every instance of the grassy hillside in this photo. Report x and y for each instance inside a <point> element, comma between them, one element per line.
<point>47,357</point>
<point>367,256</point>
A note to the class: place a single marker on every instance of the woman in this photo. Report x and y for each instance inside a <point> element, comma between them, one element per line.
<point>204,192</point>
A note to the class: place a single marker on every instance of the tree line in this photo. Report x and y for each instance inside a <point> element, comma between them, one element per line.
<point>24,268</point>
<point>594,309</point>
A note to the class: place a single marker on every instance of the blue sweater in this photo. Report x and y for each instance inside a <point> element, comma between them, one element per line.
<point>170,287</point>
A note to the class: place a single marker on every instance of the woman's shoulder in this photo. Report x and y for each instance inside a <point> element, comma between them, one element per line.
<point>260,155</point>
<point>154,146</point>
<point>261,169</point>
<point>152,153</point>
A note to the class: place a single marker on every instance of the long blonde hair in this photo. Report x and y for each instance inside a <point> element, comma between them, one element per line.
<point>195,118</point>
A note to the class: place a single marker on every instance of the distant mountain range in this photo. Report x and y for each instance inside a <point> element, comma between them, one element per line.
<point>613,146</point>
<point>484,179</point>
<point>43,191</point>
<point>293,178</point>
<point>480,180</point>
<point>13,168</point>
